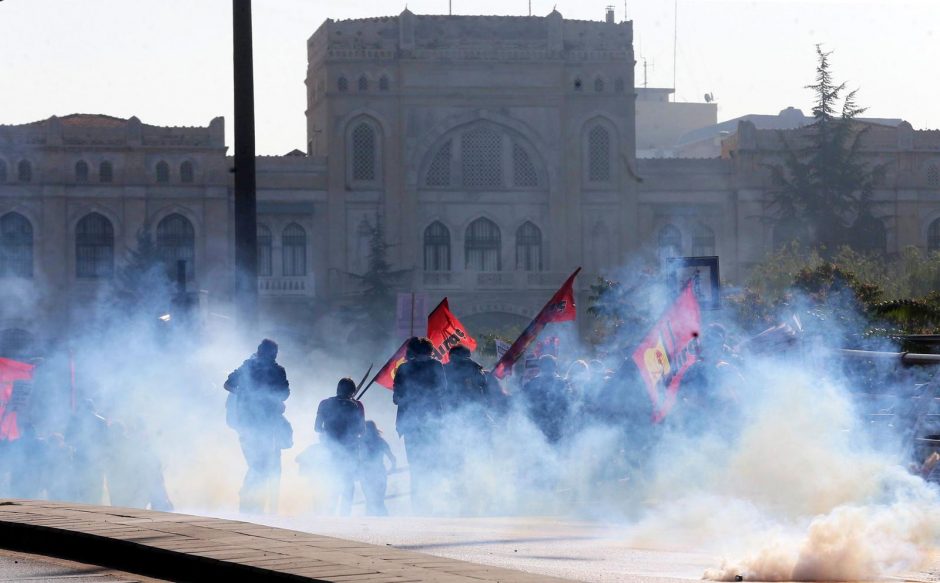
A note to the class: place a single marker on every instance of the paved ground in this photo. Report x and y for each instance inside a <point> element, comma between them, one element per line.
<point>23,567</point>
<point>184,547</point>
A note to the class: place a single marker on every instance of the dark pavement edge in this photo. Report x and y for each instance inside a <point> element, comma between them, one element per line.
<point>137,558</point>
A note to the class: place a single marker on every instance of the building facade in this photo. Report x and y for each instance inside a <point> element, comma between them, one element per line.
<point>499,154</point>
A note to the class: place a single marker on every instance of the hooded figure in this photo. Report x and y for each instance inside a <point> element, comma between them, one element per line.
<point>255,409</point>
<point>341,421</point>
<point>419,387</point>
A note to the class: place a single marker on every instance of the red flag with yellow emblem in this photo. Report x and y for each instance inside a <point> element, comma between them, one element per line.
<point>668,351</point>
<point>386,375</point>
<point>445,331</point>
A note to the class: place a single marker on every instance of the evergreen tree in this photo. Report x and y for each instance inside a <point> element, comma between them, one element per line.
<point>824,197</point>
<point>379,280</point>
<point>142,279</point>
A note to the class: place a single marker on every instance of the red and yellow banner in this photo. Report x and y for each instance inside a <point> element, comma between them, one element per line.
<point>668,351</point>
<point>11,371</point>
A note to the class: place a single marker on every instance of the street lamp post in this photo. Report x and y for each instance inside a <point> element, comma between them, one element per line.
<point>246,233</point>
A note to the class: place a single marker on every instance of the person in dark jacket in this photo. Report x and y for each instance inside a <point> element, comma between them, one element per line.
<point>547,400</point>
<point>372,472</point>
<point>255,409</point>
<point>419,386</point>
<point>341,421</point>
<point>466,383</point>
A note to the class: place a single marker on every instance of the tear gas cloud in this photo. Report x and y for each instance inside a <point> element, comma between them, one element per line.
<point>776,471</point>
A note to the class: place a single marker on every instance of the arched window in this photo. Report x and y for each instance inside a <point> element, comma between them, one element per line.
<point>439,170</point>
<point>703,242</point>
<point>933,237</point>
<point>265,269</point>
<point>482,246</point>
<point>24,171</point>
<point>363,152</point>
<point>163,172</point>
<point>436,247</point>
<point>383,83</point>
<point>106,172</point>
<point>186,172</point>
<point>3,171</point>
<point>482,158</point>
<point>670,242</point>
<point>363,83</point>
<point>933,176</point>
<point>342,84</point>
<point>294,250</point>
<point>598,154</point>
<point>523,170</point>
<point>528,247</point>
<point>16,246</point>
<point>578,84</point>
<point>176,241</point>
<point>94,247</point>
<point>81,171</point>
<point>599,85</point>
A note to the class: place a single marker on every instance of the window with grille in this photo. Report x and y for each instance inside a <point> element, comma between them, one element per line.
<point>363,83</point>
<point>598,154</point>
<point>94,247</point>
<point>703,242</point>
<point>342,84</point>
<point>265,269</point>
<point>81,171</point>
<point>294,250</point>
<point>529,248</point>
<point>24,171</point>
<point>436,247</point>
<point>363,153</point>
<point>163,172</point>
<point>523,170</point>
<point>439,170</point>
<point>482,246</point>
<point>599,85</point>
<point>176,241</point>
<point>933,176</point>
<point>106,172</point>
<point>933,236</point>
<point>187,173</point>
<point>383,83</point>
<point>670,242</point>
<point>482,158</point>
<point>3,171</point>
<point>16,246</point>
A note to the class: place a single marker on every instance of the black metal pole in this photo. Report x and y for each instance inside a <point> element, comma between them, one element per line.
<point>246,229</point>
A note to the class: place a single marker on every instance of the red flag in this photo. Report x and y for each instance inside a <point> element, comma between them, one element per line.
<point>668,351</point>
<point>386,375</point>
<point>10,372</point>
<point>445,331</point>
<point>560,308</point>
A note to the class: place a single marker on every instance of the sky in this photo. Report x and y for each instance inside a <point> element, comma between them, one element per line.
<point>169,62</point>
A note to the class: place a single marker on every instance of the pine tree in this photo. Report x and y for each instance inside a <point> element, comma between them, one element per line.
<point>142,279</point>
<point>379,280</point>
<point>824,197</point>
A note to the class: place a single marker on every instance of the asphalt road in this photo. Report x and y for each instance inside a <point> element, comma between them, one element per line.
<point>22,567</point>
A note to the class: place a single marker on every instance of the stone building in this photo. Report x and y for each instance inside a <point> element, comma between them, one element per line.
<point>498,152</point>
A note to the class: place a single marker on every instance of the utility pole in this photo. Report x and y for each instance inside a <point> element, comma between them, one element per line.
<point>246,220</point>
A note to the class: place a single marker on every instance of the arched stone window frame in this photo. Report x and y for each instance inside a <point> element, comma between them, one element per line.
<point>4,170</point>
<point>530,247</point>
<point>352,146</point>
<point>519,163</point>
<point>106,172</point>
<point>294,241</point>
<point>669,241</point>
<point>932,235</point>
<point>362,83</point>
<point>175,239</point>
<point>265,240</point>
<point>599,84</point>
<point>187,171</point>
<point>436,245</point>
<point>17,245</point>
<point>932,176</point>
<point>704,241</point>
<point>82,171</point>
<point>24,171</point>
<point>483,249</point>
<point>161,172</point>
<point>592,176</point>
<point>94,235</point>
<point>342,84</point>
<point>385,83</point>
